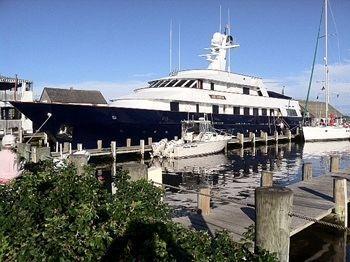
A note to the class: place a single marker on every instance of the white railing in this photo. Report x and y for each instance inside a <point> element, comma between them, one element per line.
<point>10,124</point>
<point>10,96</point>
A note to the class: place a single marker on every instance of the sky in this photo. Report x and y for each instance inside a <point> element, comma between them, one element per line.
<point>116,46</point>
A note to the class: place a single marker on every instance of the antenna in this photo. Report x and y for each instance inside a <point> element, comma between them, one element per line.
<point>179,47</point>
<point>229,34</point>
<point>170,45</point>
<point>220,21</point>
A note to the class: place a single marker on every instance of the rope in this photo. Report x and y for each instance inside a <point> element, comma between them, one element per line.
<point>318,221</point>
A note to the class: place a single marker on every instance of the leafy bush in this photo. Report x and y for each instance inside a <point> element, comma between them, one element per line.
<point>53,214</point>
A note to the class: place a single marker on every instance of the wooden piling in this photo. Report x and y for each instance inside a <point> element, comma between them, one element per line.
<point>334,163</point>
<point>128,142</point>
<point>340,197</point>
<point>307,171</point>
<point>57,147</point>
<point>99,144</point>
<point>276,136</point>
<point>264,137</point>
<point>289,135</point>
<point>34,157</point>
<point>80,147</point>
<point>252,139</point>
<point>272,226</point>
<point>20,135</point>
<point>150,141</point>
<point>203,201</point>
<point>61,151</point>
<point>70,148</point>
<point>65,147</point>
<point>266,179</point>
<point>114,149</point>
<point>142,148</point>
<point>176,138</point>
<point>240,139</point>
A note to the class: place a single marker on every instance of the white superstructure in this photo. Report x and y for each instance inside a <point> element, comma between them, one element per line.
<point>211,91</point>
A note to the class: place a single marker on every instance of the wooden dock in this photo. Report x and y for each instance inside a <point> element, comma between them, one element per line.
<point>312,198</point>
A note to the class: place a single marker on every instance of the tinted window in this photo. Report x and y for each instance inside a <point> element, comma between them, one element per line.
<point>259,93</point>
<point>291,112</point>
<point>211,86</point>
<point>197,108</point>
<point>174,106</point>
<point>215,109</point>
<point>246,90</point>
<point>255,111</point>
<point>272,112</point>
<point>236,110</point>
<point>189,83</point>
<point>246,111</point>
<point>264,112</point>
<point>181,83</point>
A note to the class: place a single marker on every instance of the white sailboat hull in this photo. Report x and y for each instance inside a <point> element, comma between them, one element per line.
<point>324,133</point>
<point>198,148</point>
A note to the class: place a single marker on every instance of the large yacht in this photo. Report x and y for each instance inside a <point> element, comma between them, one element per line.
<point>234,102</point>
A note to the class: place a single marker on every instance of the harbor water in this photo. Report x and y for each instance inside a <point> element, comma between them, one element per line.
<point>234,176</point>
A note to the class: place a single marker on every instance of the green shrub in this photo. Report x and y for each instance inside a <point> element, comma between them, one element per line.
<point>52,214</point>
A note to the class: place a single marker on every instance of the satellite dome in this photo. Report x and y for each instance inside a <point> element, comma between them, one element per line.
<point>217,38</point>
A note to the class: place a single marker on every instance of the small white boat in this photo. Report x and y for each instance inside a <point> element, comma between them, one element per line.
<point>198,138</point>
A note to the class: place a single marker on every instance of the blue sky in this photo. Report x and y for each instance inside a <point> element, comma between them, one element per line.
<point>115,46</point>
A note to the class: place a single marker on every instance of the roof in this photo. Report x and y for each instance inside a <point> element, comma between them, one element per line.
<point>318,109</point>
<point>59,95</point>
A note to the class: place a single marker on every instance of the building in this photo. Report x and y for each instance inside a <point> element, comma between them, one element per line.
<point>59,95</point>
<point>14,89</point>
<point>318,109</point>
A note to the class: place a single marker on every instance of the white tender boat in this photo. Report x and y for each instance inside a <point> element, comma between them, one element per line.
<point>198,138</point>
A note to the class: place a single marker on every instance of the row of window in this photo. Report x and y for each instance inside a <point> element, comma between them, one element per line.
<point>174,107</point>
<point>192,84</point>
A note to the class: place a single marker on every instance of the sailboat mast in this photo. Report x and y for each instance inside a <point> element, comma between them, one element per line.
<point>326,59</point>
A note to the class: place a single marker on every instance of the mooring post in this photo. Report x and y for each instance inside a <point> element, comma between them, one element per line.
<point>276,136</point>
<point>265,135</point>
<point>34,156</point>
<point>252,139</point>
<point>80,147</point>
<point>142,148</point>
<point>20,135</point>
<point>99,144</point>
<point>176,138</point>
<point>203,201</point>
<point>307,171</point>
<point>289,135</point>
<point>340,197</point>
<point>150,141</point>
<point>46,140</point>
<point>79,161</point>
<point>266,179</point>
<point>65,147</point>
<point>57,147</point>
<point>240,139</point>
<point>70,148</point>
<point>114,149</point>
<point>273,206</point>
<point>297,131</point>
<point>61,150</point>
<point>334,163</point>
<point>128,142</point>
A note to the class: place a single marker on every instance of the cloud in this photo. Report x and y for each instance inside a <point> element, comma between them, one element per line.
<point>297,85</point>
<point>109,90</point>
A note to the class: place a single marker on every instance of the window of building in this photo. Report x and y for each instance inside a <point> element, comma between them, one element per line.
<point>246,111</point>
<point>259,93</point>
<point>211,86</point>
<point>215,109</point>
<point>197,108</point>
<point>291,112</point>
<point>264,112</point>
<point>236,110</point>
<point>255,111</point>
<point>246,90</point>
<point>174,106</point>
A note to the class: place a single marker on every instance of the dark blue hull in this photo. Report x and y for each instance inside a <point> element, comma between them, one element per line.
<point>86,124</point>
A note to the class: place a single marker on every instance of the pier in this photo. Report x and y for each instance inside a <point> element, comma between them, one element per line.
<point>277,213</point>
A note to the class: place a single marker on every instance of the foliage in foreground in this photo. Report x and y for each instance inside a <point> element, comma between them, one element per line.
<point>53,214</point>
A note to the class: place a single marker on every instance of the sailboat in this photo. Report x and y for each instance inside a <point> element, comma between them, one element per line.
<point>328,129</point>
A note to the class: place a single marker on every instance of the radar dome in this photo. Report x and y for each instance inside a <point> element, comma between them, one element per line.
<point>217,38</point>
